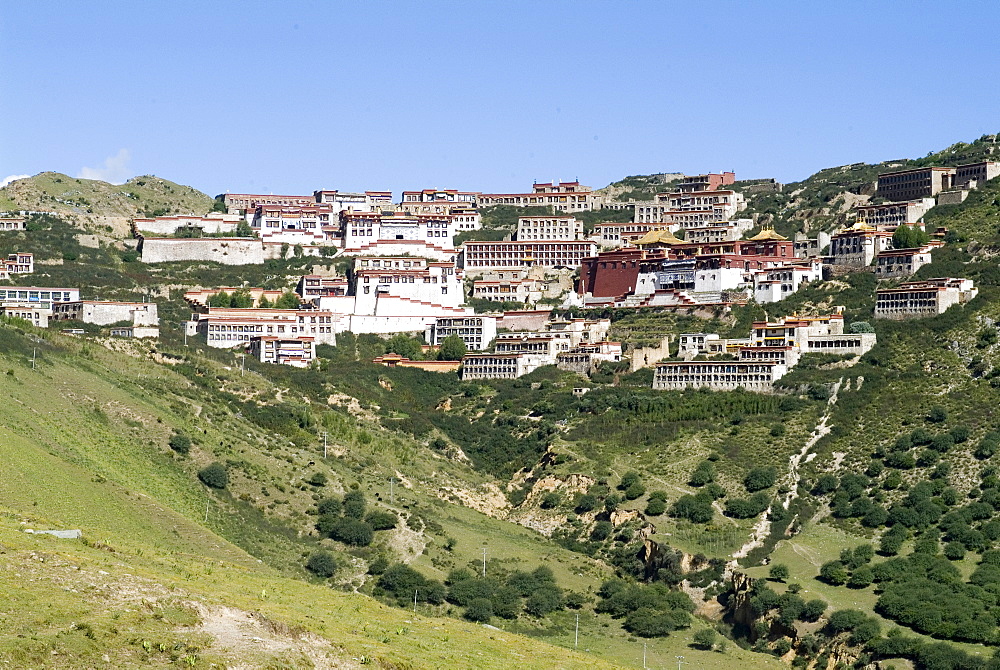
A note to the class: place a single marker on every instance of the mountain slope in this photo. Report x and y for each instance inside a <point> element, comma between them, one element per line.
<point>140,196</point>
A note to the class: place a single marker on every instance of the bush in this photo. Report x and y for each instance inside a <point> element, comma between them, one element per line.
<point>381,520</point>
<point>846,620</point>
<point>937,414</point>
<point>544,600</point>
<point>705,638</point>
<point>628,479</point>
<point>180,443</point>
<point>318,480</point>
<point>322,564</point>
<point>656,506</point>
<point>354,504</point>
<point>452,348</point>
<point>813,610</point>
<point>331,506</point>
<point>602,531</point>
<point>834,572</point>
<point>697,509</point>
<point>586,502</point>
<point>353,532</point>
<point>745,508</point>
<point>778,572</point>
<point>636,490</point>
<point>479,610</point>
<point>703,474</point>
<point>214,476</point>
<point>551,500</point>
<point>760,478</point>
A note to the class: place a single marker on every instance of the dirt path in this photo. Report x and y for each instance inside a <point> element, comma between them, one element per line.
<point>790,480</point>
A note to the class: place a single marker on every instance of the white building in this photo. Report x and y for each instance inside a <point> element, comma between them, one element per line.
<point>903,262</point>
<point>477,331</point>
<point>396,233</point>
<point>43,296</point>
<point>693,344</point>
<point>560,196</point>
<point>298,352</point>
<point>500,366</point>
<point>718,375</point>
<point>893,213</point>
<point>922,298</point>
<point>774,284</point>
<point>307,226</point>
<point>486,256</point>
<point>436,195</point>
<point>12,223</point>
<point>405,285</point>
<point>549,228</point>
<point>141,316</point>
<point>17,263</point>
<point>858,245</point>
<point>691,209</point>
<point>227,328</point>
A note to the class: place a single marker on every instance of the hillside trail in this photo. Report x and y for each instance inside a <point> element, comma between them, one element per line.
<point>790,479</point>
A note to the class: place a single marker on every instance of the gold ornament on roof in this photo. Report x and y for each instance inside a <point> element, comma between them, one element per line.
<point>767,233</point>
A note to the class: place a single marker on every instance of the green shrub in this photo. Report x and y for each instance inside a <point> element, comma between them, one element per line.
<point>778,572</point>
<point>551,500</point>
<point>214,476</point>
<point>353,532</point>
<point>479,610</point>
<point>322,564</point>
<point>760,478</point>
<point>354,504</point>
<point>380,520</point>
<point>180,443</point>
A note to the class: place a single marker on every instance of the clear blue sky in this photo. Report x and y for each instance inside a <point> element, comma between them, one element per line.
<point>287,97</point>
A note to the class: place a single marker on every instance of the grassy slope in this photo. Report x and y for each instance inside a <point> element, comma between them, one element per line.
<point>55,192</point>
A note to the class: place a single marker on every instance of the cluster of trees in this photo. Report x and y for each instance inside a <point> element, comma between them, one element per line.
<point>853,568</point>
<point>348,520</point>
<point>452,347</point>
<point>506,595</point>
<point>241,299</point>
<point>926,592</point>
<point>790,606</point>
<point>648,610</point>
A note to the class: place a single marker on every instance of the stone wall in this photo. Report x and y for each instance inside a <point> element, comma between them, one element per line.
<point>225,250</point>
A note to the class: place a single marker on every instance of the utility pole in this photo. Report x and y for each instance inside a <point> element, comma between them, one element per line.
<point>324,444</point>
<point>680,662</point>
<point>643,656</point>
<point>392,499</point>
<point>576,640</point>
<point>414,601</point>
<point>484,561</point>
<point>33,351</point>
<point>243,360</point>
<point>207,503</point>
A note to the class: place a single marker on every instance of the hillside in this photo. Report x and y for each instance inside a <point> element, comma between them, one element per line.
<point>852,517</point>
<point>140,196</point>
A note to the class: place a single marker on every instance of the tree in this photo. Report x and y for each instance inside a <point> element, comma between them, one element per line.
<point>452,349</point>
<point>628,479</point>
<point>381,520</point>
<point>214,476</point>
<point>778,572</point>
<point>544,600</point>
<point>703,474</point>
<point>705,638</point>
<point>760,478</point>
<point>656,506</point>
<point>241,299</point>
<point>480,610</point>
<point>322,564</point>
<point>551,500</point>
<point>220,299</point>
<point>586,502</point>
<point>353,532</point>
<point>404,346</point>
<point>813,610</point>
<point>834,572</point>
<point>180,443</point>
<point>354,504</point>
<point>602,531</point>
<point>937,414</point>
<point>288,300</point>
<point>909,237</point>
